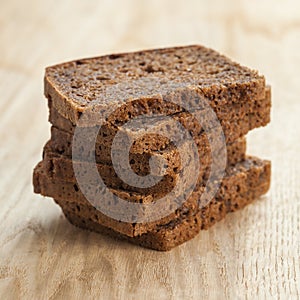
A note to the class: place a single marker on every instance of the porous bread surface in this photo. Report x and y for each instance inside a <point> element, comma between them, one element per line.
<point>169,235</point>
<point>235,122</point>
<point>249,173</point>
<point>146,82</point>
<point>223,113</point>
<point>59,166</point>
<point>62,141</point>
<point>239,124</point>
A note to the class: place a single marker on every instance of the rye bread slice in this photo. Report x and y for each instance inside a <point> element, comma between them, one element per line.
<point>235,123</point>
<point>59,166</point>
<point>234,128</point>
<point>62,141</point>
<point>249,173</point>
<point>225,113</point>
<point>185,226</point>
<point>121,86</point>
<point>167,236</point>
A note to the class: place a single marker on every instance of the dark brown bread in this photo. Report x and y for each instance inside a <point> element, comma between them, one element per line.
<point>62,143</point>
<point>176,82</point>
<point>169,235</point>
<point>239,125</point>
<point>148,82</point>
<point>250,173</point>
<point>59,166</point>
<point>224,113</point>
<point>236,124</point>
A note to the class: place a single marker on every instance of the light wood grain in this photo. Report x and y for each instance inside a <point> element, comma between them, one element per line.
<point>252,254</point>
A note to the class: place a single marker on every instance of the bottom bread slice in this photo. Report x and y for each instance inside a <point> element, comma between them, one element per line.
<point>189,221</point>
<point>167,236</point>
<point>238,181</point>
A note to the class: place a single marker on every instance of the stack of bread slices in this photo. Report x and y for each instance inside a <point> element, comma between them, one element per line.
<point>150,146</point>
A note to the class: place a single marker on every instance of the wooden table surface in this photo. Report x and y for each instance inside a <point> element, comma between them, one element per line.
<point>252,254</point>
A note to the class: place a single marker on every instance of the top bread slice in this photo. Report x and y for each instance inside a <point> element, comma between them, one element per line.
<point>120,86</point>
